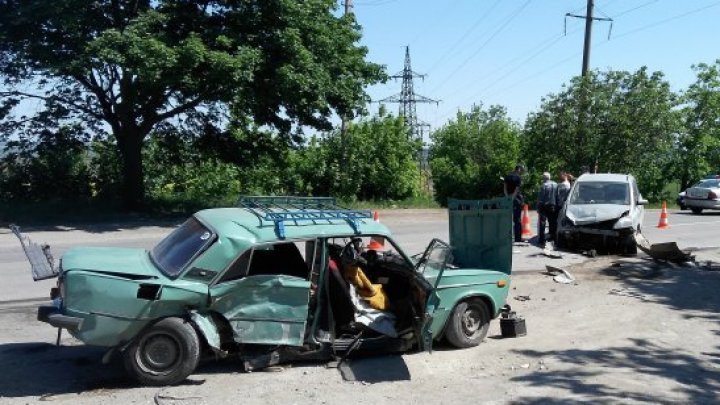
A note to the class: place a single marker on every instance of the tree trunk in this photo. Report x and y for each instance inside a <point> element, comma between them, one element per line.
<point>133,186</point>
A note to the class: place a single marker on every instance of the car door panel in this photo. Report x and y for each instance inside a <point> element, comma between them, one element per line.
<point>264,309</point>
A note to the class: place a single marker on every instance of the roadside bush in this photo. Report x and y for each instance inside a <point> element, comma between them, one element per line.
<point>374,160</point>
<point>471,153</point>
<point>54,167</point>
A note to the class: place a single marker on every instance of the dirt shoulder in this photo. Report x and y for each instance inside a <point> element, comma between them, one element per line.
<point>637,332</point>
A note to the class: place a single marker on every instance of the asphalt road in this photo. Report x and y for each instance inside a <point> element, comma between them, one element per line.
<point>413,229</point>
<point>623,317</point>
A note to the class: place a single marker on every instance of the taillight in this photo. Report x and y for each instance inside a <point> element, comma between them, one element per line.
<point>712,195</point>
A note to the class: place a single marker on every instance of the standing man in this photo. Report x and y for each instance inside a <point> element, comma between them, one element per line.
<point>511,187</point>
<point>563,189</point>
<point>546,208</point>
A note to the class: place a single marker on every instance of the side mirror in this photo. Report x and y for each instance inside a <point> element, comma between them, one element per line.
<point>642,201</point>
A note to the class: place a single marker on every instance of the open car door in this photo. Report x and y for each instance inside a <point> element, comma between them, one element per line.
<point>431,265</point>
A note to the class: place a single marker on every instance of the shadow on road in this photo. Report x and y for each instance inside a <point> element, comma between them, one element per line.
<point>42,369</point>
<point>692,291</point>
<point>49,372</point>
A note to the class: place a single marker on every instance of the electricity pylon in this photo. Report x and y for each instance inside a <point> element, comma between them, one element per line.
<point>408,99</point>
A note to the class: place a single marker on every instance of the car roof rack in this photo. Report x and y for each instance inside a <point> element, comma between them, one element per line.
<point>283,209</point>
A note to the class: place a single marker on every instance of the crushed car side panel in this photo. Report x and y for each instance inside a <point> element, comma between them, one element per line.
<point>264,309</point>
<point>114,309</point>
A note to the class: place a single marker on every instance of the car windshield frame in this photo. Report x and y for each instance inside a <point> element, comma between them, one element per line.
<point>575,197</point>
<point>178,249</point>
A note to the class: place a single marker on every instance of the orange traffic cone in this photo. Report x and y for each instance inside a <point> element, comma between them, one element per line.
<point>526,231</point>
<point>376,242</point>
<point>663,223</point>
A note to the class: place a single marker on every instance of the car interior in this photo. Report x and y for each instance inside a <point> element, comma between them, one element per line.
<point>345,315</point>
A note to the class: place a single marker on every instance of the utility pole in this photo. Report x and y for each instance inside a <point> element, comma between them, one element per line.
<point>588,35</point>
<point>588,17</point>
<point>348,7</point>
<point>583,115</point>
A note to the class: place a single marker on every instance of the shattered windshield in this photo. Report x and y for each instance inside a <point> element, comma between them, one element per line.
<point>601,192</point>
<point>174,252</point>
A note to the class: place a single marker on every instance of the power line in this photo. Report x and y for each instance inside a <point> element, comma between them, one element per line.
<point>472,28</point>
<point>635,8</point>
<point>498,31</point>
<point>575,54</point>
<point>424,27</point>
<point>667,20</point>
<point>543,46</point>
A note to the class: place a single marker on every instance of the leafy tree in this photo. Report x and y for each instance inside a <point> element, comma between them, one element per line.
<point>375,160</point>
<point>625,122</point>
<point>472,152</point>
<point>699,144</point>
<point>130,65</point>
<point>55,168</point>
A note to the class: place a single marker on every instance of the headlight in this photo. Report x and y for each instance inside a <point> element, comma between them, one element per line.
<point>622,223</point>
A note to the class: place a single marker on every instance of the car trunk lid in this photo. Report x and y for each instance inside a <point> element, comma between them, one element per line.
<point>123,262</point>
<point>481,233</point>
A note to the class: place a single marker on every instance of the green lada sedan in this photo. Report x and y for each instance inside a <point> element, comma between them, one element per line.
<point>280,279</point>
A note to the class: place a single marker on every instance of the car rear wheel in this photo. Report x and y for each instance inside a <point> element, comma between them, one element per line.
<point>165,354</point>
<point>696,210</point>
<point>468,324</point>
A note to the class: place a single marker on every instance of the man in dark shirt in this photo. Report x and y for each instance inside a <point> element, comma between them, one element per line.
<point>512,188</point>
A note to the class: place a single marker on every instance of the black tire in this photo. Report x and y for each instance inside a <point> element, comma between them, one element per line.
<point>468,324</point>
<point>628,245</point>
<point>164,354</point>
<point>560,242</point>
<point>696,210</point>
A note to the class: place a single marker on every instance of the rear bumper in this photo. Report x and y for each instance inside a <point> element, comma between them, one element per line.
<point>53,316</point>
<point>705,204</point>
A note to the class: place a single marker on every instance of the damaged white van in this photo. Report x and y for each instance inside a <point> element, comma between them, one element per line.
<point>603,212</point>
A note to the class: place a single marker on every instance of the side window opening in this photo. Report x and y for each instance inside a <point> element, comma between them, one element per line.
<point>238,268</point>
<point>280,258</point>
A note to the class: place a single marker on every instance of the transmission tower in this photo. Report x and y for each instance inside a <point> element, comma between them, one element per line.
<point>408,99</point>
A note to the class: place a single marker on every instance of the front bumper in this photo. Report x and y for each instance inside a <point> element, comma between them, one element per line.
<point>53,316</point>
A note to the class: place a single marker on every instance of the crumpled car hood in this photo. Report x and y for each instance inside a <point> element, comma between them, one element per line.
<point>593,213</point>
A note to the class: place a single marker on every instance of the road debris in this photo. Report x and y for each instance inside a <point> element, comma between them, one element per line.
<point>561,276</point>
<point>522,297</point>
<point>667,251</point>
<point>552,253</point>
<point>160,398</point>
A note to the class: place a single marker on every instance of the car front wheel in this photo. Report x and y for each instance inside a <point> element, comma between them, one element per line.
<point>468,324</point>
<point>696,210</point>
<point>165,354</point>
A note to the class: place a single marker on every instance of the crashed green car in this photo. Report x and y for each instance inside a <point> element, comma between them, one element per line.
<point>261,282</point>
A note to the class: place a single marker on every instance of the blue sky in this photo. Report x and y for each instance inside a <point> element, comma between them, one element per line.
<point>514,52</point>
